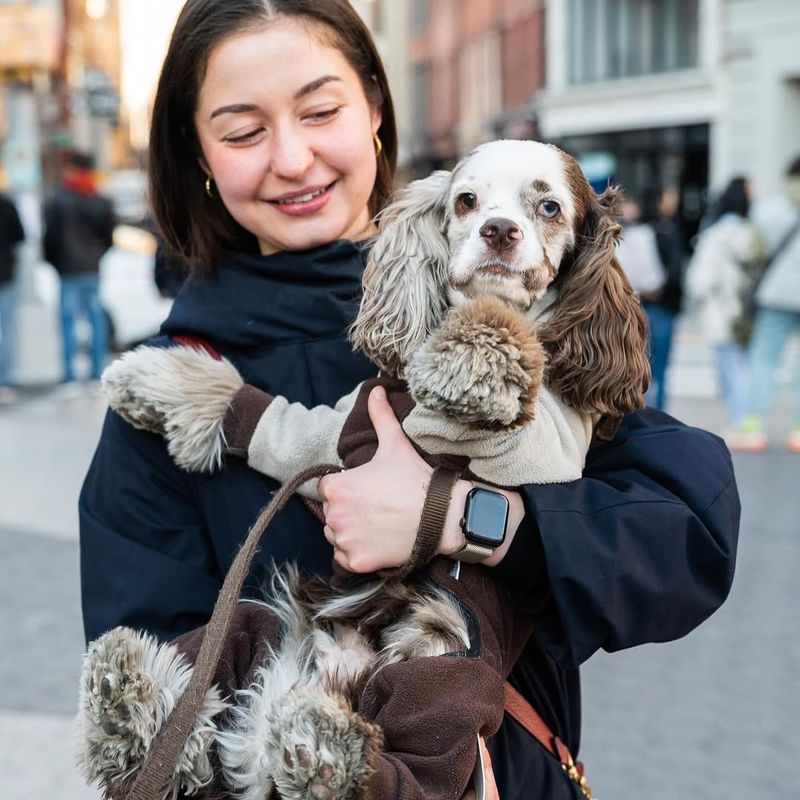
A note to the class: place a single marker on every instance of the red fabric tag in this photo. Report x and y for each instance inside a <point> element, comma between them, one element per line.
<point>197,343</point>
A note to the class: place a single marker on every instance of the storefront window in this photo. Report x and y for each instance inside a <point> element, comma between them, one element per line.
<point>642,159</point>
<point>611,39</point>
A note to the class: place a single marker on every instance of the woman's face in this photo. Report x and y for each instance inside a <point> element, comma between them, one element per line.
<point>286,133</point>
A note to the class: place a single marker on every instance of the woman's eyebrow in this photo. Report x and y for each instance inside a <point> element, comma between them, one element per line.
<point>236,108</point>
<point>244,108</point>
<point>314,85</point>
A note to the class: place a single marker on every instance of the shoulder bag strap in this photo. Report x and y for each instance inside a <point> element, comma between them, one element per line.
<point>525,714</point>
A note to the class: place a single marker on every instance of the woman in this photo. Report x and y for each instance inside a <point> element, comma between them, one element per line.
<point>273,146</point>
<point>716,279</point>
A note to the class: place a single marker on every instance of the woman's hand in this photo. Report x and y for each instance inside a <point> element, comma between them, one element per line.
<point>372,512</point>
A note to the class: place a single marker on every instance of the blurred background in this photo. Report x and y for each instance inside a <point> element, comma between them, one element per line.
<point>684,94</point>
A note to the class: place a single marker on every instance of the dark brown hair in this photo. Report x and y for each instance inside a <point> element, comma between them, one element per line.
<point>197,228</point>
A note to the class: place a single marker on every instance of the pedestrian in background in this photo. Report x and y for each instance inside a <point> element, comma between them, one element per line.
<point>777,221</point>
<point>659,211</point>
<point>79,224</point>
<point>11,235</point>
<point>639,255</point>
<point>716,280</point>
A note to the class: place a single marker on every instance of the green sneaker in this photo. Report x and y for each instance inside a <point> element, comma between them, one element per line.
<point>748,437</point>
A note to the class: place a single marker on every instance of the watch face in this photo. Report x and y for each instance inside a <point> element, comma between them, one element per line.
<point>485,517</point>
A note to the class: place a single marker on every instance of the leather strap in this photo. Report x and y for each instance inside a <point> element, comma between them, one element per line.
<point>525,714</point>
<point>431,522</point>
<point>159,764</point>
<point>434,515</point>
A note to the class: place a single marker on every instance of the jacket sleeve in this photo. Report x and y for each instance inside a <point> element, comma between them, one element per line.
<point>641,549</point>
<point>146,557</point>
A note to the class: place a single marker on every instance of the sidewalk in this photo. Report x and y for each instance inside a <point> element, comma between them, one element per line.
<point>47,446</point>
<point>668,721</point>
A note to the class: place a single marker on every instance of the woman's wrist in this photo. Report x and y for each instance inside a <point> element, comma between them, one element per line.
<point>453,535</point>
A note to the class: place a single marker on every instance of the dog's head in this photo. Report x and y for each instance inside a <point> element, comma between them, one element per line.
<point>511,220</point>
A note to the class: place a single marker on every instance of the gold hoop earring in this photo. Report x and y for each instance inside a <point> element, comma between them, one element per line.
<point>209,191</point>
<point>378,144</point>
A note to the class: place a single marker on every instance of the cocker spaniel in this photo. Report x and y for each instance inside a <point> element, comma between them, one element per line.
<point>507,337</point>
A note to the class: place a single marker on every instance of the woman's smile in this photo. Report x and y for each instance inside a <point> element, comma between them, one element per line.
<point>305,202</point>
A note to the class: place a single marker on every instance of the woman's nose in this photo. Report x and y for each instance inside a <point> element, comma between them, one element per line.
<point>291,154</point>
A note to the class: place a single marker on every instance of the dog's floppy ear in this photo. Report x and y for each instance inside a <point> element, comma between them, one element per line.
<point>596,335</point>
<point>405,277</point>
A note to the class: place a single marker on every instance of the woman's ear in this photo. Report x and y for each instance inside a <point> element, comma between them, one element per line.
<point>406,275</point>
<point>596,335</point>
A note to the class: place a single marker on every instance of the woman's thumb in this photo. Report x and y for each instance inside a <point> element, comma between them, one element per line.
<point>383,417</point>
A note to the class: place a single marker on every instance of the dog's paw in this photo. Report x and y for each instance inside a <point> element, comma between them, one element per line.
<point>129,686</point>
<point>483,366</point>
<point>319,748</point>
<point>182,393</point>
<point>116,696</point>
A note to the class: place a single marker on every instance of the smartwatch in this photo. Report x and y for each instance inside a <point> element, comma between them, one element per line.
<point>484,525</point>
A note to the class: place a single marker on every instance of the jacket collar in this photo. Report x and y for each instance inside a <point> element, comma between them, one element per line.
<point>256,300</point>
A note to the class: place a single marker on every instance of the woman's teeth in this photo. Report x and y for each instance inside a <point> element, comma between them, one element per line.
<point>303,198</point>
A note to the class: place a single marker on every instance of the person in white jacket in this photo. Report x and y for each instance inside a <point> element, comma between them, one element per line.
<point>716,279</point>
<point>777,220</point>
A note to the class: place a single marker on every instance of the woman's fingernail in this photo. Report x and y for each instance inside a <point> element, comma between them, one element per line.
<point>379,393</point>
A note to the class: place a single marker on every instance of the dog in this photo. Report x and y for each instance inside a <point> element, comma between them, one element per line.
<point>508,338</point>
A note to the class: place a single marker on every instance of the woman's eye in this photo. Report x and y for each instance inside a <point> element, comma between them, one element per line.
<point>244,138</point>
<point>322,116</point>
<point>548,209</point>
<point>466,201</point>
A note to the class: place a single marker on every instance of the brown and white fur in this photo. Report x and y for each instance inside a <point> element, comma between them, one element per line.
<point>516,222</point>
<point>513,220</point>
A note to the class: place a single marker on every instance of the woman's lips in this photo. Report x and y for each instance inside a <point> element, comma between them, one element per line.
<point>299,206</point>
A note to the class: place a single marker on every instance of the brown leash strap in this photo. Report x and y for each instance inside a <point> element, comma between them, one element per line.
<point>431,523</point>
<point>159,765</point>
<point>526,715</point>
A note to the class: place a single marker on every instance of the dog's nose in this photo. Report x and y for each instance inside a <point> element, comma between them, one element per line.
<point>500,232</point>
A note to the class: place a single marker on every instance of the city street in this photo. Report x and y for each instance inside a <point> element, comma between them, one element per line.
<point>708,717</point>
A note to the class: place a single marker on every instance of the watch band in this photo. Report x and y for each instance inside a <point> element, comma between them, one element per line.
<point>472,553</point>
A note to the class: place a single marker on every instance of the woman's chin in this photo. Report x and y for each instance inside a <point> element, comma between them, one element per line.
<point>315,233</point>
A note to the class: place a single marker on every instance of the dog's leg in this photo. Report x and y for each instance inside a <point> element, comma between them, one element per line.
<point>180,393</point>
<point>320,748</point>
<point>290,730</point>
<point>433,625</point>
<point>483,366</point>
<point>129,685</point>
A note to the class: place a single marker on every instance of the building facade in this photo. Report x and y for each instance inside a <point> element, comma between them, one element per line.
<point>475,67</point>
<point>682,92</point>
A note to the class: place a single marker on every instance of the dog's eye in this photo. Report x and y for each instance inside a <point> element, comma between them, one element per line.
<point>548,209</point>
<point>466,201</point>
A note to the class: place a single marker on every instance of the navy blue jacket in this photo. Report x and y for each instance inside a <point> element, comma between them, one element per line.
<point>641,549</point>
